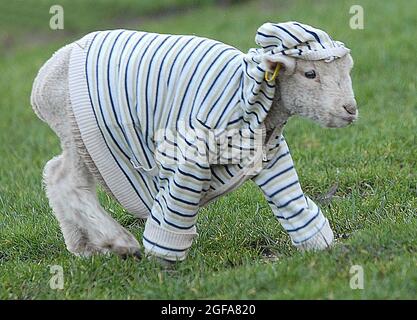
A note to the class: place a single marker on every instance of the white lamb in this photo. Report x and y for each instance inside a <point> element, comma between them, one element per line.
<point>109,95</point>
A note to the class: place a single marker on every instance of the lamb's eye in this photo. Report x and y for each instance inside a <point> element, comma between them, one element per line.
<point>310,74</point>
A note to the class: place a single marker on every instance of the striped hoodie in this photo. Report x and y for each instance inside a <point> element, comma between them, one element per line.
<point>173,122</point>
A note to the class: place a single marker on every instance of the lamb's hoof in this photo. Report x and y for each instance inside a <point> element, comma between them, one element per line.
<point>122,252</point>
<point>135,254</point>
<point>166,264</point>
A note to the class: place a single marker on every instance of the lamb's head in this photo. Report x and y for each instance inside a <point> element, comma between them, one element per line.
<point>319,90</point>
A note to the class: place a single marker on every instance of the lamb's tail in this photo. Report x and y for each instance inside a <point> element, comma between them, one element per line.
<point>36,99</point>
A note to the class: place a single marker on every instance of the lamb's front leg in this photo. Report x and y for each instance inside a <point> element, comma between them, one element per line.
<point>86,227</point>
<point>171,227</point>
<point>298,214</point>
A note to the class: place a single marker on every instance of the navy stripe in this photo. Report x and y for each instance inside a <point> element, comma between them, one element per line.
<point>270,46</point>
<point>261,91</point>
<point>273,36</point>
<point>306,224</point>
<point>171,223</point>
<point>147,121</point>
<point>311,236</point>
<point>271,164</point>
<point>296,214</point>
<point>312,33</point>
<point>233,97</point>
<point>169,157</point>
<point>249,75</point>
<point>203,124</point>
<point>234,121</point>
<point>217,177</point>
<point>265,110</point>
<point>174,211</point>
<point>186,159</point>
<point>228,171</point>
<point>159,74</point>
<point>148,45</point>
<point>192,176</point>
<point>284,188</point>
<point>127,73</point>
<point>175,60</point>
<point>289,33</point>
<point>241,148</point>
<point>188,143</point>
<point>180,186</point>
<point>192,77</point>
<point>211,87</point>
<point>182,69</point>
<point>289,217</point>
<point>167,169</point>
<point>123,49</point>
<point>129,106</point>
<point>177,226</point>
<point>178,199</point>
<point>118,68</point>
<point>109,88</point>
<point>260,69</point>
<point>154,218</point>
<point>256,116</point>
<point>249,125</point>
<point>221,72</point>
<point>188,188</point>
<point>276,175</point>
<point>290,201</point>
<point>163,247</point>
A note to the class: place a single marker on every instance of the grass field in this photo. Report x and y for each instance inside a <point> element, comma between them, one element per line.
<point>242,251</point>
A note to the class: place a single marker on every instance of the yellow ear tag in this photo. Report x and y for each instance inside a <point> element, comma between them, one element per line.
<point>274,75</point>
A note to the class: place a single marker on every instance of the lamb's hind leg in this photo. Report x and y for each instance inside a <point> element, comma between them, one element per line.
<point>70,187</point>
<point>86,227</point>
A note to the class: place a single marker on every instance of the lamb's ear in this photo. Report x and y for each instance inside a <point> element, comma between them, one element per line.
<point>287,63</point>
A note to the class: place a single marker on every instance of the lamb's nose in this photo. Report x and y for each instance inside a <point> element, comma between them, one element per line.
<point>350,108</point>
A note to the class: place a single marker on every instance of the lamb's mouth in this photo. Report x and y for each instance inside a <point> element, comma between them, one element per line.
<point>338,121</point>
<point>348,119</point>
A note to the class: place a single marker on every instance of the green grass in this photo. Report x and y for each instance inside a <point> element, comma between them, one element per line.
<point>81,14</point>
<point>241,252</point>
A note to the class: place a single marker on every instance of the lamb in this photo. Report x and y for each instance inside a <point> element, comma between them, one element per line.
<point>149,117</point>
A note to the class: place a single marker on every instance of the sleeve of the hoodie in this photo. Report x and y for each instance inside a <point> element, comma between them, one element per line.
<point>297,213</point>
<point>171,227</point>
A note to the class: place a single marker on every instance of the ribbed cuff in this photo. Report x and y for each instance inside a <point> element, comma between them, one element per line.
<point>166,244</point>
<point>320,241</point>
